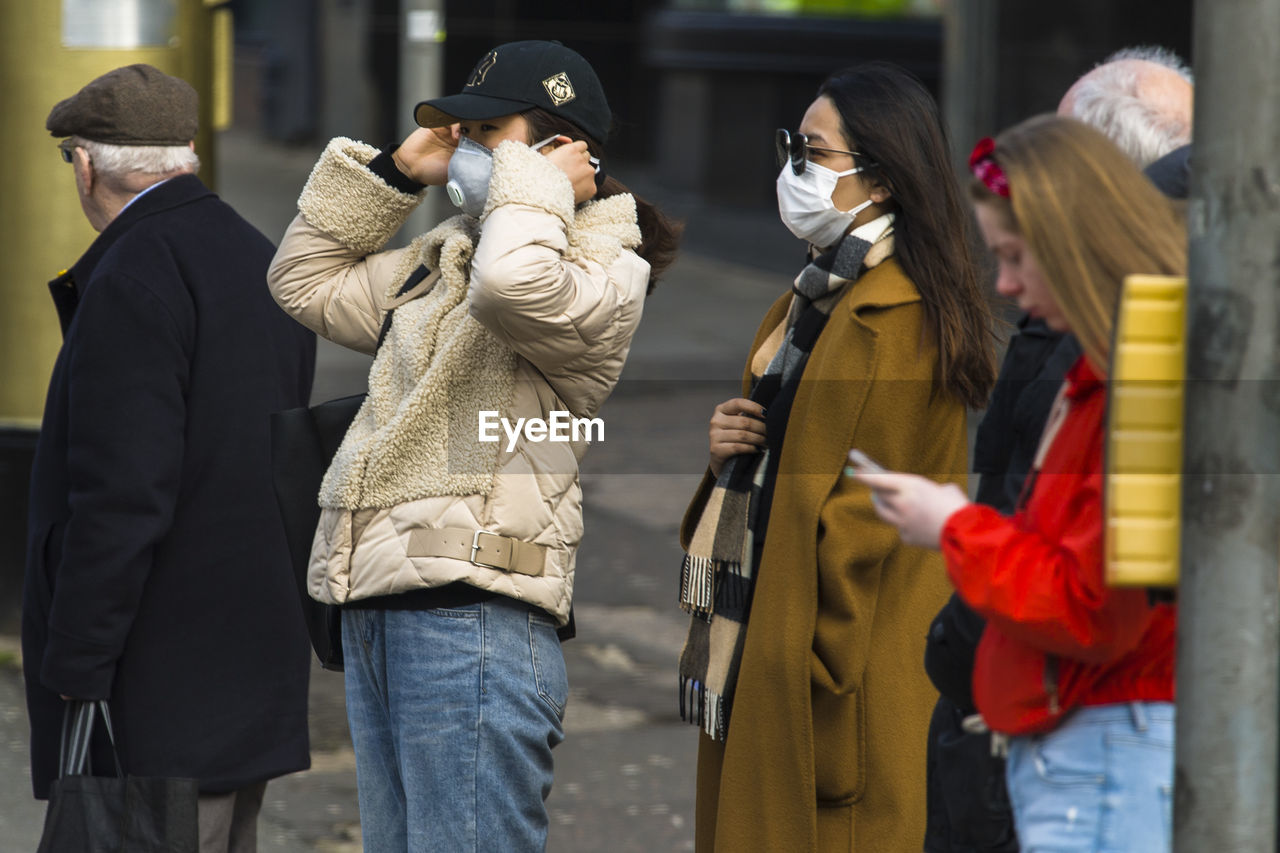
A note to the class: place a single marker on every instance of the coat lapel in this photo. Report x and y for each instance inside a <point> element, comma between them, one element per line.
<point>820,457</point>
<point>68,288</point>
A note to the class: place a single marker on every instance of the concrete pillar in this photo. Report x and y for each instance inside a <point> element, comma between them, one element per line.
<point>1227,641</point>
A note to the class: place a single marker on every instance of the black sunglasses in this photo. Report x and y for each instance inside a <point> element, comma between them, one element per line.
<point>795,147</point>
<point>65,147</point>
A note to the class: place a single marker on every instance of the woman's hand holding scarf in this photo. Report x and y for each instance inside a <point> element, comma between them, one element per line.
<point>737,426</point>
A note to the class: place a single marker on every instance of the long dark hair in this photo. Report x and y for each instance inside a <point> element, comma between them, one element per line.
<point>659,236</point>
<point>891,118</point>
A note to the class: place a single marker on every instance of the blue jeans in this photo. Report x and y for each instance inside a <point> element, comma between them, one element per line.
<point>1100,782</point>
<point>453,715</point>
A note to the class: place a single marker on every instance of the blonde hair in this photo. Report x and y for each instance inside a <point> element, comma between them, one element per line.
<point>1089,216</point>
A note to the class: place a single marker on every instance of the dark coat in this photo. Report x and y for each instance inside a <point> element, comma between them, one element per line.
<point>1172,173</point>
<point>157,572</point>
<point>1030,376</point>
<point>968,802</point>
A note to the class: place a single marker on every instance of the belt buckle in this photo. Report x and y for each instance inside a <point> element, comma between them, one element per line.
<point>475,546</point>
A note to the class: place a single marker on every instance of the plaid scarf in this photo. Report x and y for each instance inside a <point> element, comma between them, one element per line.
<point>717,576</point>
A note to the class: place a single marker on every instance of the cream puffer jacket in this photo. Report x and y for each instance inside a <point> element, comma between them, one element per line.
<point>533,314</point>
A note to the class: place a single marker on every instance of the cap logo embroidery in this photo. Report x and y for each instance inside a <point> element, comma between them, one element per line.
<point>559,88</point>
<point>477,76</point>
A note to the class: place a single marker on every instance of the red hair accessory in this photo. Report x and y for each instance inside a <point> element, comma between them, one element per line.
<point>985,168</point>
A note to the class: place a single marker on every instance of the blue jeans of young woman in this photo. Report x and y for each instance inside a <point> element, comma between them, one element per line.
<point>1102,782</point>
<point>453,715</point>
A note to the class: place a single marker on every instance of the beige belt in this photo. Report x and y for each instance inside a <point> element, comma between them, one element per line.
<point>479,547</point>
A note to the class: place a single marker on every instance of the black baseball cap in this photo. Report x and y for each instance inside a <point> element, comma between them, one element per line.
<point>520,75</point>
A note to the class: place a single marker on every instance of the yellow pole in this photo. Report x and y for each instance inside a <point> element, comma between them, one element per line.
<point>48,50</point>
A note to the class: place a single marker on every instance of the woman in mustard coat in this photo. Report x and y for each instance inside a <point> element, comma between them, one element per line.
<point>803,664</point>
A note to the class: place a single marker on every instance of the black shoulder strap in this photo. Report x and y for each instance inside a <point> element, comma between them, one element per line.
<point>410,283</point>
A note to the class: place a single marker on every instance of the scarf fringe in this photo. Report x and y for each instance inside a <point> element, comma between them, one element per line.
<point>703,708</point>
<point>733,591</point>
<point>700,581</point>
<point>708,585</point>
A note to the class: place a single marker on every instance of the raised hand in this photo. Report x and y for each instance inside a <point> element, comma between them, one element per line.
<point>574,160</point>
<point>424,154</point>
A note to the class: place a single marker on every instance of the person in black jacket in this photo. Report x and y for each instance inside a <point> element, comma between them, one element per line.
<point>968,804</point>
<point>157,575</point>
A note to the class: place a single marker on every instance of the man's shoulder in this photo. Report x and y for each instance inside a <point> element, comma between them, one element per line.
<point>177,252</point>
<point>200,229</point>
<point>185,205</point>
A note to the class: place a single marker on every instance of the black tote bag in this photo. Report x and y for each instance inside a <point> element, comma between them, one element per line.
<point>303,442</point>
<point>114,814</point>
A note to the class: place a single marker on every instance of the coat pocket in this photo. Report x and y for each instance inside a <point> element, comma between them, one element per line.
<point>835,827</point>
<point>48,556</point>
<point>840,747</point>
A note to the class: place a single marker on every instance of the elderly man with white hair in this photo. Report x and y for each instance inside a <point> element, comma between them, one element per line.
<point>157,577</point>
<point>1141,97</point>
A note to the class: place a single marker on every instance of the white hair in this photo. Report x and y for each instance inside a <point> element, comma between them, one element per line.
<point>1153,53</point>
<point>117,162</point>
<point>1111,98</point>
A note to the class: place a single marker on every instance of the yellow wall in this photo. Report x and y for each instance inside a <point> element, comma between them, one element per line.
<point>42,229</point>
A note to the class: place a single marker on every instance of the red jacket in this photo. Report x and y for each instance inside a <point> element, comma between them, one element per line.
<point>1057,636</point>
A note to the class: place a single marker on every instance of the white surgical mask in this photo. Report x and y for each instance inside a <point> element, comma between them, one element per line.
<point>470,169</point>
<point>806,208</point>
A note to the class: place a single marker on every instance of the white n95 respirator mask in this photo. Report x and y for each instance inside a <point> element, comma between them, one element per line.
<point>470,170</point>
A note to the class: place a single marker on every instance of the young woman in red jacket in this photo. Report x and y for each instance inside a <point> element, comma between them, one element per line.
<point>1079,675</point>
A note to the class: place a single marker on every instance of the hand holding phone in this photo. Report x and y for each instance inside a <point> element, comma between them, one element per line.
<point>861,463</point>
<point>917,506</point>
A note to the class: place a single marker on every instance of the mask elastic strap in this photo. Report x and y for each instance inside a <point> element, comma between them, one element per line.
<point>594,161</point>
<point>855,170</point>
<point>857,208</point>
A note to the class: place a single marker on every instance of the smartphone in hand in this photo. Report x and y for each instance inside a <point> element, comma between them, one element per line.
<point>861,463</point>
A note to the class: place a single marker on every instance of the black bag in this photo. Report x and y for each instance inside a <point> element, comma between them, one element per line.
<point>303,442</point>
<point>119,814</point>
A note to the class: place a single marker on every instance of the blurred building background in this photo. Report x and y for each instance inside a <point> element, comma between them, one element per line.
<point>697,88</point>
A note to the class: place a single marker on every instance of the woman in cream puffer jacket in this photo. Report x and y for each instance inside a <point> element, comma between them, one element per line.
<point>533,313</point>
<point>454,555</point>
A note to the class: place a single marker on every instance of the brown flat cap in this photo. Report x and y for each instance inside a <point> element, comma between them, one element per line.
<point>133,105</point>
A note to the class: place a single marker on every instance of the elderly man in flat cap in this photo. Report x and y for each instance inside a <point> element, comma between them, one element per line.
<point>157,575</point>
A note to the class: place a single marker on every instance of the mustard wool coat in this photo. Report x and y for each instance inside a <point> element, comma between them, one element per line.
<point>827,738</point>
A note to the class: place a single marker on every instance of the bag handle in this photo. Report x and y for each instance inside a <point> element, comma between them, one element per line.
<point>415,290</point>
<point>77,734</point>
<point>421,281</point>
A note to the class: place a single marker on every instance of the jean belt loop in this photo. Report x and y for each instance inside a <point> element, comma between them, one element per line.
<point>1138,710</point>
